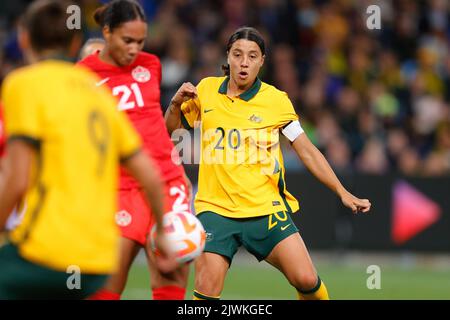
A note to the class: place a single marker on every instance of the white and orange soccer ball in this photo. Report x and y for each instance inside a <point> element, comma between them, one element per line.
<point>185,234</point>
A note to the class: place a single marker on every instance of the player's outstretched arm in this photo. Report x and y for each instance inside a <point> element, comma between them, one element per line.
<point>141,167</point>
<point>316,163</point>
<point>173,113</point>
<point>14,177</point>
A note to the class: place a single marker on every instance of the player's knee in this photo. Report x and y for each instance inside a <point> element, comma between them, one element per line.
<point>208,286</point>
<point>304,281</point>
<point>178,278</point>
<point>208,283</point>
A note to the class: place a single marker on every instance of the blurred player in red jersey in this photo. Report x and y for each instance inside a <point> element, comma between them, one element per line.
<point>134,78</point>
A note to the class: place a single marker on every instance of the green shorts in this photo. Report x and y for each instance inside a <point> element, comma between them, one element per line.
<point>259,235</point>
<point>23,280</point>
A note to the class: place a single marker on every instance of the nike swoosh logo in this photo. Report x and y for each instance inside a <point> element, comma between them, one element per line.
<point>285,227</point>
<point>102,82</point>
<point>208,110</point>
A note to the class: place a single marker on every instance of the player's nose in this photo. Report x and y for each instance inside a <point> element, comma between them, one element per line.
<point>133,51</point>
<point>244,62</point>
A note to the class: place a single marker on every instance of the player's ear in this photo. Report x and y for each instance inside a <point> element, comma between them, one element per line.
<point>263,58</point>
<point>106,33</point>
<point>23,38</point>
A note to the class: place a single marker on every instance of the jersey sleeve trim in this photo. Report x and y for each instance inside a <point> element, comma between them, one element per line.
<point>125,158</point>
<point>35,143</point>
<point>185,122</point>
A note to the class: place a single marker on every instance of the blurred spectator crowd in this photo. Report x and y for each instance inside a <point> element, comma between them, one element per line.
<point>373,101</point>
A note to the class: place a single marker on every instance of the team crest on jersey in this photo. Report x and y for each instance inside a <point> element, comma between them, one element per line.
<point>123,218</point>
<point>141,74</point>
<point>255,118</point>
<point>209,236</point>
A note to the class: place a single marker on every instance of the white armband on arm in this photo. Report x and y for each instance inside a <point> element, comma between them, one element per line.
<point>293,130</point>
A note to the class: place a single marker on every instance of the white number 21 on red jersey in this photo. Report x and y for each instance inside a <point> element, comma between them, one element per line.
<point>126,101</point>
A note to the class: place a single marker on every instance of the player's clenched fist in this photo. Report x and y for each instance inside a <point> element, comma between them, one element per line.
<point>185,92</point>
<point>354,203</point>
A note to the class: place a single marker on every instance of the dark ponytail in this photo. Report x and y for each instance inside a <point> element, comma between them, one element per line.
<point>247,33</point>
<point>98,15</point>
<point>117,12</point>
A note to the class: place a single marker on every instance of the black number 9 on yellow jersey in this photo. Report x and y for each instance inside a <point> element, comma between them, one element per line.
<point>99,135</point>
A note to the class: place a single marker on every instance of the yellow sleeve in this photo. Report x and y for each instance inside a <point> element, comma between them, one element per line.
<point>190,113</point>
<point>22,109</point>
<point>287,112</point>
<point>191,110</point>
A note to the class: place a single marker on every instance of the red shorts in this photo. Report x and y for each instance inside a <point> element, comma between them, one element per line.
<point>135,218</point>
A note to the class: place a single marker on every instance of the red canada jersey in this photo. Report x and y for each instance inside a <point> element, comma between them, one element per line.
<point>2,134</point>
<point>137,88</point>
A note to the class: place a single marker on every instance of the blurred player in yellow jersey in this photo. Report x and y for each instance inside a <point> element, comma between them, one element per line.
<point>65,143</point>
<point>242,197</point>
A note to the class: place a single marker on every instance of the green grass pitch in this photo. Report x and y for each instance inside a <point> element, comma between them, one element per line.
<point>248,279</point>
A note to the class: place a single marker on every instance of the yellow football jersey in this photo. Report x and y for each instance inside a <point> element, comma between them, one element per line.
<point>79,138</point>
<point>241,171</point>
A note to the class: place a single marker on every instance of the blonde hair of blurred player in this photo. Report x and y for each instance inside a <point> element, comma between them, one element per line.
<point>91,46</point>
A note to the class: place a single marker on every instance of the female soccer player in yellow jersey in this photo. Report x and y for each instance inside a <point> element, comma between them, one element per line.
<point>242,197</point>
<point>65,140</point>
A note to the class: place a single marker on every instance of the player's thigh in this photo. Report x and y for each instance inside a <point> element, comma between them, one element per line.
<point>128,251</point>
<point>210,272</point>
<point>260,235</point>
<point>222,242</point>
<point>291,257</point>
<point>223,234</point>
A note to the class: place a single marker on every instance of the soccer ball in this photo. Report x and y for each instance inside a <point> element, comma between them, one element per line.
<point>185,234</point>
